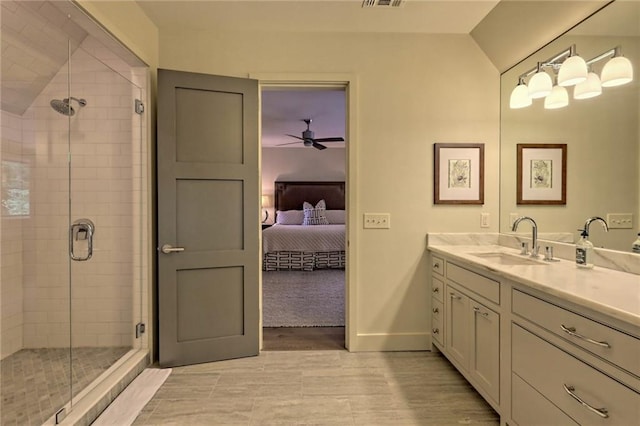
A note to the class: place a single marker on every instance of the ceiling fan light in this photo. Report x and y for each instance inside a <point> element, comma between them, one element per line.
<point>572,71</point>
<point>589,88</point>
<point>520,97</point>
<point>558,98</point>
<point>616,72</point>
<point>540,85</point>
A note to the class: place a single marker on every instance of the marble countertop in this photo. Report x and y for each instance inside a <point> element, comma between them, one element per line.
<point>610,292</point>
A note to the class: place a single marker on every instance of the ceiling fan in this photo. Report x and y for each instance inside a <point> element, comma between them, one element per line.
<point>308,140</point>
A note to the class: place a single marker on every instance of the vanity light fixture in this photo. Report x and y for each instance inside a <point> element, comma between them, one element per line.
<point>540,84</point>
<point>558,98</point>
<point>589,88</point>
<point>617,71</point>
<point>572,70</point>
<point>520,95</point>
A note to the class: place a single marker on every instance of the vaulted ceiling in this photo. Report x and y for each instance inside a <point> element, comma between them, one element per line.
<point>34,35</point>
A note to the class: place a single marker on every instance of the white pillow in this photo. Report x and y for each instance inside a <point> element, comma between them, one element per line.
<point>336,217</point>
<point>315,215</point>
<point>289,217</point>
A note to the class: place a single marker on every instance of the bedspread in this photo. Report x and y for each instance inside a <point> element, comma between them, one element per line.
<point>301,238</point>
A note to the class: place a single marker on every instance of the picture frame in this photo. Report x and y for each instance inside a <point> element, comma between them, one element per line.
<point>458,173</point>
<point>541,174</point>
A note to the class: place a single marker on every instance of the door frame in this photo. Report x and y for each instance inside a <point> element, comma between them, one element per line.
<point>349,83</point>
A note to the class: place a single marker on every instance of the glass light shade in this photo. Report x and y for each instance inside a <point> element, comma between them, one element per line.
<point>558,98</point>
<point>589,88</point>
<point>616,72</point>
<point>540,85</point>
<point>572,71</point>
<point>520,97</point>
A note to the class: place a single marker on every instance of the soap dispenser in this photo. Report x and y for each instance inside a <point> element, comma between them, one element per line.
<point>584,251</point>
<point>635,247</point>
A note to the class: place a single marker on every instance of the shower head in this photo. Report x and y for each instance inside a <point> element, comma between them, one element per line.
<point>64,107</point>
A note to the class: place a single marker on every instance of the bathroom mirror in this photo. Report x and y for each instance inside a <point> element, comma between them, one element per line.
<point>602,135</point>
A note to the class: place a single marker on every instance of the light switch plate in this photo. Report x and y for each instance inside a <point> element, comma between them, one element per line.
<point>620,220</point>
<point>377,220</point>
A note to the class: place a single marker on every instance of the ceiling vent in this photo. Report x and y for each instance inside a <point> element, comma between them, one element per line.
<point>382,3</point>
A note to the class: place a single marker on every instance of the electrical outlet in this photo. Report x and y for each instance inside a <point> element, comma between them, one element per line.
<point>620,220</point>
<point>484,220</point>
<point>377,220</point>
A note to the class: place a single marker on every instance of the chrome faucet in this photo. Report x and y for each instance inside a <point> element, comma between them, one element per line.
<point>534,233</point>
<point>593,219</point>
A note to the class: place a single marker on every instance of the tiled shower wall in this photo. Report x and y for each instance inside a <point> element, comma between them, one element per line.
<point>108,186</point>
<point>11,295</point>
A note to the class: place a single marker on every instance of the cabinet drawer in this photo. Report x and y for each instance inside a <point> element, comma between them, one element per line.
<point>529,408</point>
<point>623,350</point>
<point>437,321</point>
<point>437,289</point>
<point>437,265</point>
<point>553,373</point>
<point>477,283</point>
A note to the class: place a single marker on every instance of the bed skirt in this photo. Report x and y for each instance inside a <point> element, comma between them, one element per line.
<point>303,260</point>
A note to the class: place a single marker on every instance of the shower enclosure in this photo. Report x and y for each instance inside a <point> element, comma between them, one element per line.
<point>73,230</point>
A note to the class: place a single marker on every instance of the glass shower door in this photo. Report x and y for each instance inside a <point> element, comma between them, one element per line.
<point>104,227</point>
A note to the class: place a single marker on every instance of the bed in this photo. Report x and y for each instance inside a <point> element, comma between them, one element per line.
<point>291,245</point>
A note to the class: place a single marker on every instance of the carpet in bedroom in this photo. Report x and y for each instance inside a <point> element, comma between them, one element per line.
<point>303,299</point>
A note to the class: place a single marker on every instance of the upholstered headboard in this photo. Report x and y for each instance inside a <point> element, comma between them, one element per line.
<point>291,195</point>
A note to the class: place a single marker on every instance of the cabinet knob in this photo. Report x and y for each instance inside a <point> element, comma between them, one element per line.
<point>436,265</point>
<point>436,289</point>
<point>435,331</point>
<point>435,310</point>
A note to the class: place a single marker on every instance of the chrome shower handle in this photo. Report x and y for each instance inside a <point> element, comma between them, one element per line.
<point>81,229</point>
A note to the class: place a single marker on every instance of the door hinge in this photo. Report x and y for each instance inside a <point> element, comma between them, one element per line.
<point>140,329</point>
<point>139,107</point>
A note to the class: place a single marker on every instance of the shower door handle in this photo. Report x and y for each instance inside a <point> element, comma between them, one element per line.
<point>81,230</point>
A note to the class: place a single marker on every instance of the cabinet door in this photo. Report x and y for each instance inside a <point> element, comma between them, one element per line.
<point>485,345</point>
<point>457,326</point>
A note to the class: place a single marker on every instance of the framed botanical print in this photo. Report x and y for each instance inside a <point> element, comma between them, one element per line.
<point>458,173</point>
<point>542,174</point>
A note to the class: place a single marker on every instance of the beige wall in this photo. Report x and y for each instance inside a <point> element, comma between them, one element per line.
<point>413,90</point>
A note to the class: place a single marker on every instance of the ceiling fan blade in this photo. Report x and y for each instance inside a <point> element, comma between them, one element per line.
<point>288,143</point>
<point>318,146</point>
<point>294,136</point>
<point>329,140</point>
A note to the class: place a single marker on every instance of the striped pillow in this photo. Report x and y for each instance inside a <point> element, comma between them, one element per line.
<point>315,215</point>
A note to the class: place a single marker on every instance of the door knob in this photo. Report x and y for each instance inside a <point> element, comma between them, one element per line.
<point>168,248</point>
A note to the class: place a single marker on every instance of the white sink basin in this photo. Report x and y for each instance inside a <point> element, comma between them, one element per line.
<point>507,258</point>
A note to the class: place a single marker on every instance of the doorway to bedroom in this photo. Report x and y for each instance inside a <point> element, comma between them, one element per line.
<point>304,160</point>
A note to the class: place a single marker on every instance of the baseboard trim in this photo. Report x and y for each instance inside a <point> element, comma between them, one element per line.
<point>386,342</point>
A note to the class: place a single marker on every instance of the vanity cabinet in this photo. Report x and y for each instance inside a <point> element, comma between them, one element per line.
<point>535,357</point>
<point>437,300</point>
<point>585,369</point>
<point>471,322</point>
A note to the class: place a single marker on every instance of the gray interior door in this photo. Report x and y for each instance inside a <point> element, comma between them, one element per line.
<point>208,217</point>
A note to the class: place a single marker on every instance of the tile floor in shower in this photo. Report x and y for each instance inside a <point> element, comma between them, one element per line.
<point>35,382</point>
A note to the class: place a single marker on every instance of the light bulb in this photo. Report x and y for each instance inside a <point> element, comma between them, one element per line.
<point>520,97</point>
<point>616,72</point>
<point>540,85</point>
<point>558,98</point>
<point>589,88</point>
<point>572,71</point>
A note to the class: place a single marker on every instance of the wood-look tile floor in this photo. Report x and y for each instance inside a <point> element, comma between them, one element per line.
<point>319,388</point>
